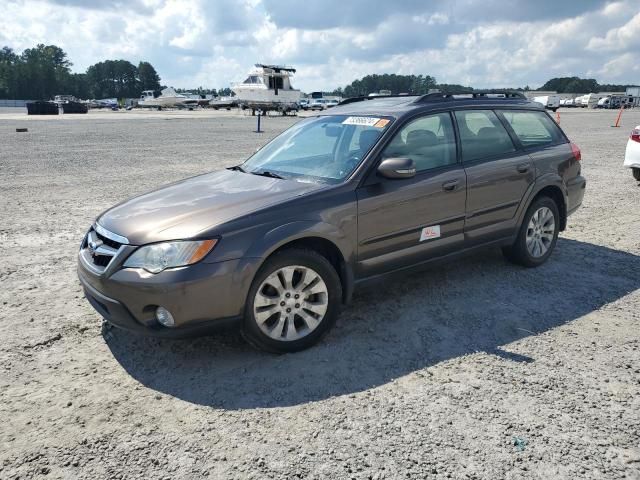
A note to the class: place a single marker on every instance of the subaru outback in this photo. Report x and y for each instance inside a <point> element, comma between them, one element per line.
<point>277,244</point>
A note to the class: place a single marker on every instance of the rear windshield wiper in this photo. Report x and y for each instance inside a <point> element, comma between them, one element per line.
<point>266,173</point>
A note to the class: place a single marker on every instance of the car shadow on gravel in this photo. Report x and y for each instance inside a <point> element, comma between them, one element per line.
<point>394,327</point>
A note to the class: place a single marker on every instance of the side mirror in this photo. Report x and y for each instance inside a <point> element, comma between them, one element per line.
<point>397,168</point>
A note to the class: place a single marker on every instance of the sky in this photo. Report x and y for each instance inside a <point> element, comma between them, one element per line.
<point>213,43</point>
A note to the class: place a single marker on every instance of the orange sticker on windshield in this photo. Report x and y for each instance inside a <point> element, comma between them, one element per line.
<point>381,123</point>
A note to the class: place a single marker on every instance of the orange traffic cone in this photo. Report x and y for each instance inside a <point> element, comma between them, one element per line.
<point>557,117</point>
<point>619,115</point>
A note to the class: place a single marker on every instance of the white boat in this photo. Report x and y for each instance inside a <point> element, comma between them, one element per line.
<point>268,87</point>
<point>168,98</point>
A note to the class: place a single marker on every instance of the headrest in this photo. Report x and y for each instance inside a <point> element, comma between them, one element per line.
<point>421,138</point>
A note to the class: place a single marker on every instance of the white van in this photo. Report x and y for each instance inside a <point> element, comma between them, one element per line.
<point>550,102</point>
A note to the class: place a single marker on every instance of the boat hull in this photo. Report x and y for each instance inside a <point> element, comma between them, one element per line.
<point>253,96</point>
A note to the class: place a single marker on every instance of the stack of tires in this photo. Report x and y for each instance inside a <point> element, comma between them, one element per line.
<point>42,108</point>
<point>74,107</point>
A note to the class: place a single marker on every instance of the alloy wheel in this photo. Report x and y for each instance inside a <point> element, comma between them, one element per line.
<point>290,303</point>
<point>540,232</point>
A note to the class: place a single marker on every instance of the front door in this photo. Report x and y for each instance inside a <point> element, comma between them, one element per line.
<point>405,221</point>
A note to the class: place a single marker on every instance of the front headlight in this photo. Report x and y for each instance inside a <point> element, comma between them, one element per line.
<point>155,258</point>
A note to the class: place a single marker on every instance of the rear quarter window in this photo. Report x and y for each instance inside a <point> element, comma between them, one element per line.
<point>533,129</point>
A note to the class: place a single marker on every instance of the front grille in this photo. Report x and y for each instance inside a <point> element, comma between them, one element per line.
<point>99,248</point>
<point>108,241</point>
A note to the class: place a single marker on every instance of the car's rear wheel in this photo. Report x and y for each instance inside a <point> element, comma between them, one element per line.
<point>636,173</point>
<point>293,301</point>
<point>537,236</point>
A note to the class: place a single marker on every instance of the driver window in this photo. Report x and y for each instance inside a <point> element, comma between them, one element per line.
<point>429,141</point>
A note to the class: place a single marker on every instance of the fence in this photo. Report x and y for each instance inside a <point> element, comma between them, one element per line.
<point>14,103</point>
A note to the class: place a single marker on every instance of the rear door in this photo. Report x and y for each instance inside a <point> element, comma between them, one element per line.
<point>498,175</point>
<point>405,221</point>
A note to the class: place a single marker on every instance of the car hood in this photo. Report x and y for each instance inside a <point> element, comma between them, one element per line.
<point>189,208</point>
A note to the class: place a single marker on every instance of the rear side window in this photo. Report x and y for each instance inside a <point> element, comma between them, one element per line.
<point>533,129</point>
<point>429,141</point>
<point>482,135</point>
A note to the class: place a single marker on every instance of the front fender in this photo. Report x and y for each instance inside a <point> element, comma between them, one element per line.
<point>281,235</point>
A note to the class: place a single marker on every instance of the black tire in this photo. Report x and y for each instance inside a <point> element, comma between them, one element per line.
<point>305,258</point>
<point>518,252</point>
<point>636,173</point>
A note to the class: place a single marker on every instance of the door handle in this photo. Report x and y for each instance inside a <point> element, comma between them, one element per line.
<point>523,168</point>
<point>449,186</point>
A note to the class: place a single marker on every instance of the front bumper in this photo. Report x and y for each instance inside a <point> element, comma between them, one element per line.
<point>200,296</point>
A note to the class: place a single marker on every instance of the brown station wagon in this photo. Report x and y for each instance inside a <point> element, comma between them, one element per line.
<point>277,244</point>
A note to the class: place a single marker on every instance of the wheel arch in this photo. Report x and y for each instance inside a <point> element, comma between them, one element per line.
<point>322,238</point>
<point>556,194</point>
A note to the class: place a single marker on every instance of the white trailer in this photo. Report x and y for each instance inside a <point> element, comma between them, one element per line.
<point>550,102</point>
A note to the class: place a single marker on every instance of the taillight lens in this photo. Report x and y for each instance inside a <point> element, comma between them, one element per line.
<point>576,151</point>
<point>635,135</point>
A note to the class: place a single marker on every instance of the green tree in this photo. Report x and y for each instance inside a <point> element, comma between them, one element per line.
<point>148,77</point>
<point>8,70</point>
<point>113,79</point>
<point>42,72</point>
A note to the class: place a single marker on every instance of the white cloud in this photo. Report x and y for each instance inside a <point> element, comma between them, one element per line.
<point>213,43</point>
<point>618,39</point>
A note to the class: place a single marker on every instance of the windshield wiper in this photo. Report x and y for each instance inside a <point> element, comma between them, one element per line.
<point>266,173</point>
<point>237,168</point>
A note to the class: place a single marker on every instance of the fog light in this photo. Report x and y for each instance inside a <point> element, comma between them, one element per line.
<point>164,317</point>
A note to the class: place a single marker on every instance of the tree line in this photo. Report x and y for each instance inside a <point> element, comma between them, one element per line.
<point>421,84</point>
<point>44,71</point>
<point>581,85</point>
<point>396,84</point>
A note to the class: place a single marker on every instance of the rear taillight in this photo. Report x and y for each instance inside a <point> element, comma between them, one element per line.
<point>576,151</point>
<point>635,135</point>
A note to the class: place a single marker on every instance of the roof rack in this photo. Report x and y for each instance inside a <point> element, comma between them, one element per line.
<point>435,96</point>
<point>479,94</point>
<point>377,97</point>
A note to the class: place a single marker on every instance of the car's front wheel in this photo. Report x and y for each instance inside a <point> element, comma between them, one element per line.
<point>538,234</point>
<point>293,301</point>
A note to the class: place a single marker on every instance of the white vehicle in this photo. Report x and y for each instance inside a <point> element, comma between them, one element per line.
<point>268,87</point>
<point>591,100</point>
<point>332,103</point>
<point>632,154</point>
<point>168,98</point>
<point>550,102</point>
<point>603,102</point>
<point>318,104</point>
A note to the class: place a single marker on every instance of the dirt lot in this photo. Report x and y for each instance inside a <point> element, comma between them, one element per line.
<point>475,369</point>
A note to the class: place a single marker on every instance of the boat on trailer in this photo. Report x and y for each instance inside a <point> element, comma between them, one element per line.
<point>168,98</point>
<point>268,87</point>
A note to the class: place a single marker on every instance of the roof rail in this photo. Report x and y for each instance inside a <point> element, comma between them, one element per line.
<point>480,94</point>
<point>377,97</point>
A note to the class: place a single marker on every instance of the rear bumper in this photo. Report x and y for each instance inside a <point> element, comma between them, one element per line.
<point>575,193</point>
<point>200,297</point>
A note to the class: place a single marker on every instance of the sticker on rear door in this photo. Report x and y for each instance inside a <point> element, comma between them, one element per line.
<point>429,233</point>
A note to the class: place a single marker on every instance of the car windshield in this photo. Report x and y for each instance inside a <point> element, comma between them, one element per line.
<point>321,149</point>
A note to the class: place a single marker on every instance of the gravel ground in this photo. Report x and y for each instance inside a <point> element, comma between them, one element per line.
<point>474,369</point>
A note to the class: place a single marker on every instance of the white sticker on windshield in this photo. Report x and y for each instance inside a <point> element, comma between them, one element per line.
<point>364,121</point>
<point>429,233</point>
